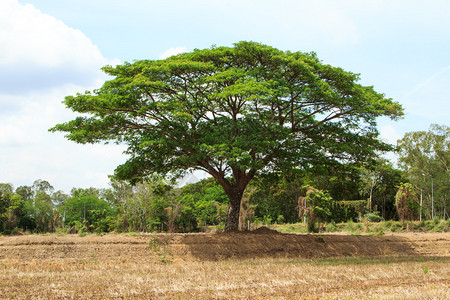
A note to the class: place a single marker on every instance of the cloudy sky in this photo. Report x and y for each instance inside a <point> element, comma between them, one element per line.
<point>50,49</point>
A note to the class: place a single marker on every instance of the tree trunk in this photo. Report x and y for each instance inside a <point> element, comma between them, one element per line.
<point>234,208</point>
<point>234,190</point>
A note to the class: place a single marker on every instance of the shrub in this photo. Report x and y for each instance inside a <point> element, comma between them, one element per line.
<point>350,226</point>
<point>280,219</point>
<point>373,217</point>
<point>318,204</point>
<point>331,227</point>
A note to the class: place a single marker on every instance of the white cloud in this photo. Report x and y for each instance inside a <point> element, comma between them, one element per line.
<point>37,51</point>
<point>30,152</point>
<point>41,61</point>
<point>172,51</point>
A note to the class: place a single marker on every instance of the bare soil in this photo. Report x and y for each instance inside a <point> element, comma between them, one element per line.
<point>259,264</point>
<point>260,243</point>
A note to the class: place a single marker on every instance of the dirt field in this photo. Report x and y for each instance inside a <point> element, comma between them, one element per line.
<point>263,264</point>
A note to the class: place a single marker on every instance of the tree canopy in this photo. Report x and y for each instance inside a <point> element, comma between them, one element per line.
<point>425,156</point>
<point>233,112</point>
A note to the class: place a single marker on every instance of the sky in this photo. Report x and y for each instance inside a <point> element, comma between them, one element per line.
<point>51,49</point>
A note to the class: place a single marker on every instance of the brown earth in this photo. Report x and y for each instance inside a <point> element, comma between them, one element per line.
<point>263,264</point>
<point>209,247</point>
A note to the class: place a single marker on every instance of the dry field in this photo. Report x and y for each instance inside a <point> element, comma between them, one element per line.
<point>261,265</point>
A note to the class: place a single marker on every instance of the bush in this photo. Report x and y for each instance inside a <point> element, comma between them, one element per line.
<point>220,227</point>
<point>331,227</point>
<point>267,220</point>
<point>440,227</point>
<point>350,226</point>
<point>373,217</point>
<point>312,227</point>
<point>280,219</point>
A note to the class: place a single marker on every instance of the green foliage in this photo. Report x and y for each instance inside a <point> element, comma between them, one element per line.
<point>439,225</point>
<point>280,219</point>
<point>141,207</point>
<point>276,196</point>
<point>373,217</point>
<point>79,228</point>
<point>370,228</point>
<point>352,227</point>
<point>204,203</point>
<point>267,220</point>
<point>331,227</point>
<point>43,211</point>
<point>93,213</point>
<point>42,186</point>
<point>392,226</point>
<point>5,202</point>
<point>425,156</point>
<point>318,204</point>
<point>81,192</point>
<point>347,210</point>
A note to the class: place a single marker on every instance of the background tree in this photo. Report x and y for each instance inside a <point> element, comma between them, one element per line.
<point>23,209</point>
<point>6,190</point>
<point>42,211</point>
<point>233,112</point>
<point>40,185</point>
<point>150,205</point>
<point>370,179</point>
<point>276,196</point>
<point>406,203</point>
<point>204,203</point>
<point>83,192</point>
<point>28,208</point>
<point>425,156</point>
<point>384,192</point>
<point>89,211</point>
<point>25,192</point>
<point>59,198</point>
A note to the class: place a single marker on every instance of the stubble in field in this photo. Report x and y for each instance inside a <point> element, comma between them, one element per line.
<point>125,267</point>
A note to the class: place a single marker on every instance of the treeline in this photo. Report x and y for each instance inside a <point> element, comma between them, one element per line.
<point>148,206</point>
<point>340,195</point>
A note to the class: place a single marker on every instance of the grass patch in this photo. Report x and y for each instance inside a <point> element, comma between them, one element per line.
<point>371,228</point>
<point>379,260</point>
<point>161,249</point>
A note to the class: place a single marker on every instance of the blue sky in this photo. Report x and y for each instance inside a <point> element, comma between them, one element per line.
<point>50,49</point>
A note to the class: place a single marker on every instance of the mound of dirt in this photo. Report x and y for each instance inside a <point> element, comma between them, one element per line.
<point>260,230</point>
<point>259,243</point>
<point>265,230</point>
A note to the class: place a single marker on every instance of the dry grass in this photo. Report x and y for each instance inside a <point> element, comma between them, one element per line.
<point>413,266</point>
<point>350,278</point>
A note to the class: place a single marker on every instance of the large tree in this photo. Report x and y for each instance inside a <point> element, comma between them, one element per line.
<point>233,112</point>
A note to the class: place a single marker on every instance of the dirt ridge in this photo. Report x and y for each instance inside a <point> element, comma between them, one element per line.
<point>262,243</point>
